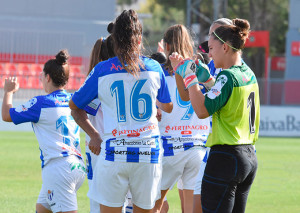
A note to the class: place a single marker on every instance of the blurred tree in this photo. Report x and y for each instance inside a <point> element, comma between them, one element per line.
<point>162,17</point>
<point>126,2</point>
<point>271,15</point>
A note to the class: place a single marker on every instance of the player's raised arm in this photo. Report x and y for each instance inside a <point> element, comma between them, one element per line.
<point>10,87</point>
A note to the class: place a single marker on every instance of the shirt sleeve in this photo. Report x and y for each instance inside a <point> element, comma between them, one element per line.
<point>27,112</point>
<point>163,94</point>
<point>88,91</point>
<point>218,95</point>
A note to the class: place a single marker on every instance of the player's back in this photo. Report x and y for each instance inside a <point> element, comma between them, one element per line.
<point>129,107</point>
<point>181,129</point>
<point>56,130</point>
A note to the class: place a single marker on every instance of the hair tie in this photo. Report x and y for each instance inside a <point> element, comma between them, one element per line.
<point>201,48</point>
<point>225,42</point>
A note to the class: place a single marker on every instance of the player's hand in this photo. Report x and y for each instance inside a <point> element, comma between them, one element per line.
<point>175,59</point>
<point>158,114</point>
<point>202,71</point>
<point>203,75</point>
<point>11,85</point>
<point>160,46</point>
<point>95,144</point>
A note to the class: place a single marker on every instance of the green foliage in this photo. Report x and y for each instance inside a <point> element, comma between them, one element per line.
<point>126,2</point>
<point>271,15</point>
<point>162,18</point>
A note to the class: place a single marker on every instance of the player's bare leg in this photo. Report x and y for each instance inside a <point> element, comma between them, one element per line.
<point>188,200</point>
<point>41,209</point>
<point>197,207</point>
<point>107,209</point>
<point>159,203</point>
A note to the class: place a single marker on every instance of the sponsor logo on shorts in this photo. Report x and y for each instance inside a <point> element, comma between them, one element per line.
<point>50,195</point>
<point>78,166</point>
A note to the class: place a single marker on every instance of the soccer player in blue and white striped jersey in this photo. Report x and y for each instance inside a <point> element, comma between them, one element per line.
<point>63,169</point>
<point>129,87</point>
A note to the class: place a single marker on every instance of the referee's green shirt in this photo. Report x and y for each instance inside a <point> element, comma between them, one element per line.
<point>234,103</point>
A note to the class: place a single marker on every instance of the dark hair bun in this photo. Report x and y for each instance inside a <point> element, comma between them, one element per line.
<point>62,57</point>
<point>242,26</point>
<point>110,27</point>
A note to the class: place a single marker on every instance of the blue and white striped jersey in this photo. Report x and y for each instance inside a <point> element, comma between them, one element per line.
<point>128,103</point>
<point>53,125</point>
<point>181,129</point>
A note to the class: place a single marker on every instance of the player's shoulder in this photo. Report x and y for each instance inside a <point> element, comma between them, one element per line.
<point>59,98</point>
<point>151,65</point>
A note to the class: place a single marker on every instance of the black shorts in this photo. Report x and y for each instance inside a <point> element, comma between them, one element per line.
<point>227,179</point>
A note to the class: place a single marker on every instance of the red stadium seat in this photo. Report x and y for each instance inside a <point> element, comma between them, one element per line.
<point>23,69</point>
<point>11,69</point>
<point>34,82</point>
<point>2,69</point>
<point>72,83</point>
<point>36,69</point>
<point>75,69</point>
<point>2,79</point>
<point>22,81</point>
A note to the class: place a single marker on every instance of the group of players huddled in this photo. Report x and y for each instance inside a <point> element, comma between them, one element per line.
<point>150,122</point>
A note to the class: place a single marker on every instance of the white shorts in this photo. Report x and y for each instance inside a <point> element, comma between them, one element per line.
<point>197,189</point>
<point>184,165</point>
<point>113,179</point>
<point>180,184</point>
<point>61,177</point>
<point>91,160</point>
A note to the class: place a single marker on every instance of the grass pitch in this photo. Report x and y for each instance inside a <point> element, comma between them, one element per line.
<point>275,189</point>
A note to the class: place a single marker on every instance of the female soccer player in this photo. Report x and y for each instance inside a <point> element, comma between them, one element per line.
<point>129,87</point>
<point>102,50</point>
<point>63,169</point>
<point>183,134</point>
<point>234,103</point>
<point>214,72</point>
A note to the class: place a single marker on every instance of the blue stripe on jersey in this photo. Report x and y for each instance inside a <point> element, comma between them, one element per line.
<point>133,154</point>
<point>65,154</point>
<point>187,146</point>
<point>168,148</point>
<point>154,158</point>
<point>110,151</point>
<point>205,157</point>
<point>89,166</point>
